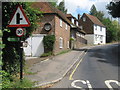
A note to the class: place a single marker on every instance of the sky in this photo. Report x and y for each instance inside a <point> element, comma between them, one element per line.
<point>76,7</point>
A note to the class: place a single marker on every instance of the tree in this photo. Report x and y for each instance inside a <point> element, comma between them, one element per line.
<point>112,30</point>
<point>54,3</point>
<point>61,7</point>
<point>114,8</point>
<point>93,10</point>
<point>98,14</point>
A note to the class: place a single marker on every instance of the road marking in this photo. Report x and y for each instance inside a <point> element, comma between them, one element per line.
<point>83,82</point>
<point>107,82</point>
<point>71,76</point>
<point>88,83</point>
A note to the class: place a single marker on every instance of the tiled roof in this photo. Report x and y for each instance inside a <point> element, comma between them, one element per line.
<point>94,19</point>
<point>45,7</point>
<point>73,25</point>
<point>69,15</point>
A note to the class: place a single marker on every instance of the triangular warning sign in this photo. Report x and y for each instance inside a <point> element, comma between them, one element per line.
<point>19,18</point>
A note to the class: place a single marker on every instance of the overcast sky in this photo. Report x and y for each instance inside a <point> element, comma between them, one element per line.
<point>83,6</point>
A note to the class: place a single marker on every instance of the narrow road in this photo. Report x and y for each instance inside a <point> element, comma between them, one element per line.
<point>98,68</point>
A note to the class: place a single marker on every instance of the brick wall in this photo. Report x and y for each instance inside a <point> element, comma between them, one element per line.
<point>61,32</point>
<point>56,30</point>
<point>87,25</point>
<point>47,18</point>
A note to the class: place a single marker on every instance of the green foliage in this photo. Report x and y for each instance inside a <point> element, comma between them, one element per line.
<point>61,7</point>
<point>11,60</point>
<point>93,10</point>
<point>98,14</point>
<point>24,84</point>
<point>49,43</point>
<point>11,50</point>
<point>46,54</point>
<point>53,3</point>
<point>112,30</point>
<point>112,27</point>
<point>6,83</point>
<point>33,15</point>
<point>72,39</point>
<point>0,33</point>
<point>114,8</point>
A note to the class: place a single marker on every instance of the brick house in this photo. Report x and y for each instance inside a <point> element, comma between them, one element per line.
<point>76,33</point>
<point>96,31</point>
<point>57,22</point>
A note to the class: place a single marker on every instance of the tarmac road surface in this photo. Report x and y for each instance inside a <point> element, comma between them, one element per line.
<point>97,68</point>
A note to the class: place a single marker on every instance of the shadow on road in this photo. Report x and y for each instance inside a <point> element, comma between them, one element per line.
<point>106,54</point>
<point>80,49</point>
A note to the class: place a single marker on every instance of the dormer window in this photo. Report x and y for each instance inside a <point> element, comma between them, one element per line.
<point>84,19</point>
<point>72,20</point>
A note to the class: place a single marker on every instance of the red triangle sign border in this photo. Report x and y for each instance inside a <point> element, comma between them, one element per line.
<point>20,25</point>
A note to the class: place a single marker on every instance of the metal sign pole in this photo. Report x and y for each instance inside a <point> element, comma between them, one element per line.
<point>21,62</point>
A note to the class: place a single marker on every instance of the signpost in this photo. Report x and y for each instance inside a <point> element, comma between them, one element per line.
<point>19,20</point>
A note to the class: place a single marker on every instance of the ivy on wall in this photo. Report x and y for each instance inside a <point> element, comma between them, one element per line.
<point>49,43</point>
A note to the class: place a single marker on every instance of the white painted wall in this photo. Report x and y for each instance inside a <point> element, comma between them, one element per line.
<point>35,46</point>
<point>99,35</point>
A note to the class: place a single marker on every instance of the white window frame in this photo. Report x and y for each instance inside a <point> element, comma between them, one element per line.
<point>60,22</point>
<point>96,36</point>
<point>68,44</point>
<point>76,23</point>
<point>73,20</point>
<point>66,26</point>
<point>84,19</point>
<point>101,28</point>
<point>60,42</point>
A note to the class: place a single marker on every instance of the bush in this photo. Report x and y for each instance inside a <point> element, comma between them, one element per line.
<point>24,84</point>
<point>49,43</point>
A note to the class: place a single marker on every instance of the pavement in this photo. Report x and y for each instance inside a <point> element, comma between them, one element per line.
<point>52,69</point>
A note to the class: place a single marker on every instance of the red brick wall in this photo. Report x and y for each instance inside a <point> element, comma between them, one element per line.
<point>45,19</point>
<point>61,32</point>
<point>56,30</point>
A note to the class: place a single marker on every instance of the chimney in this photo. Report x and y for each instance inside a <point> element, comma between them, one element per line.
<point>79,16</point>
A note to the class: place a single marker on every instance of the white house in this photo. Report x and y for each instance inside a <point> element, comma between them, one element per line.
<point>96,31</point>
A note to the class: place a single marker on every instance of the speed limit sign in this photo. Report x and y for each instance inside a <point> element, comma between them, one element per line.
<point>19,32</point>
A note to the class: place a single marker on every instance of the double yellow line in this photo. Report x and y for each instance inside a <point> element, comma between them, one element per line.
<point>71,75</point>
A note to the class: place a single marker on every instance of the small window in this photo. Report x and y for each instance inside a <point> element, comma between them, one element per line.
<point>84,19</point>
<point>96,37</point>
<point>68,44</point>
<point>95,27</point>
<point>100,28</point>
<point>77,23</point>
<point>72,20</point>
<point>101,37</point>
<point>61,42</point>
<point>61,22</point>
<point>66,27</point>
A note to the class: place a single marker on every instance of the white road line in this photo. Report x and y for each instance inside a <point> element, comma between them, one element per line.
<point>88,84</point>
<point>73,84</point>
<point>107,82</point>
